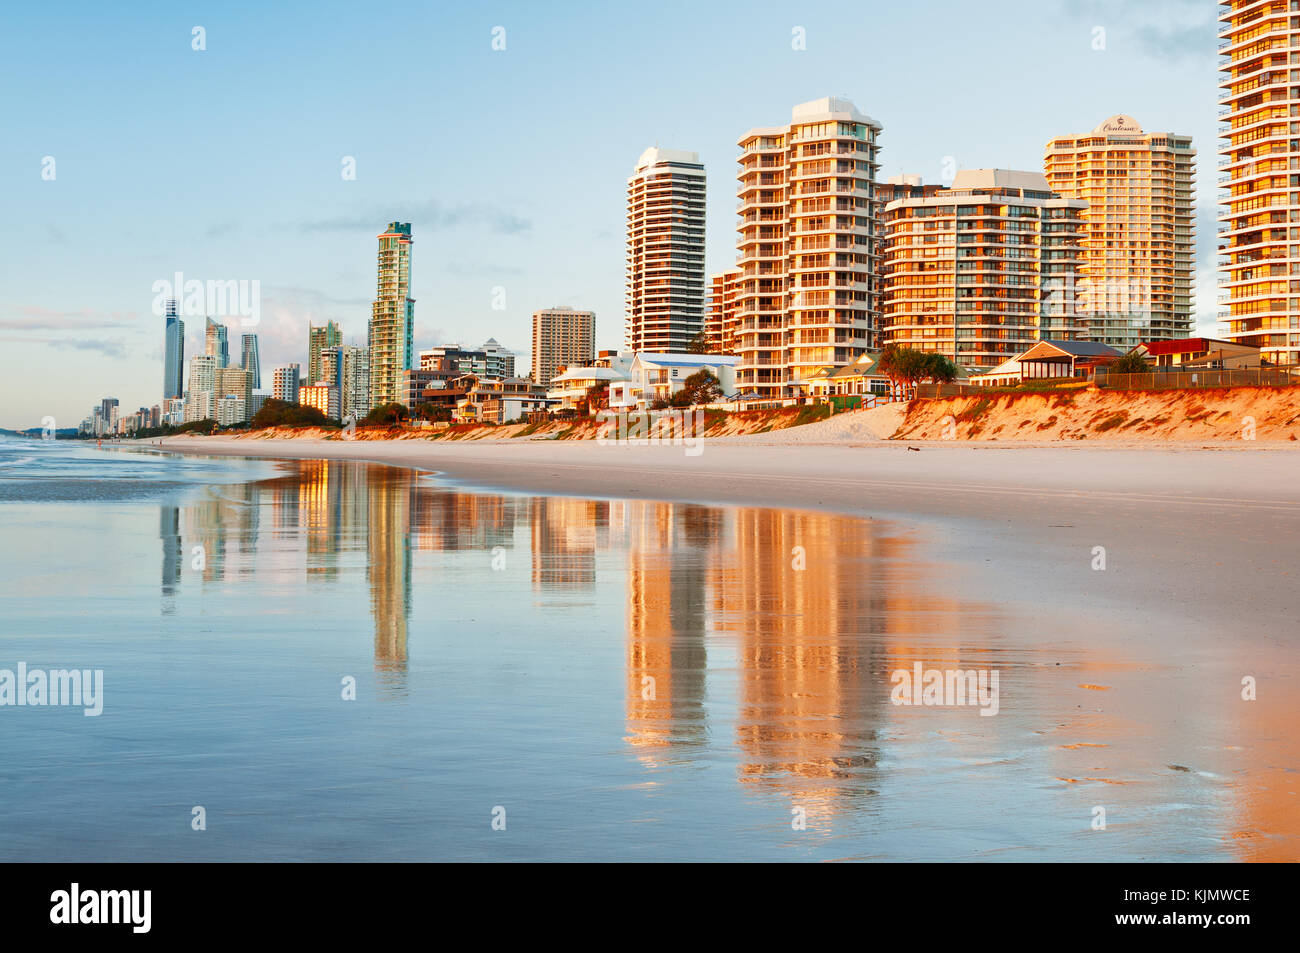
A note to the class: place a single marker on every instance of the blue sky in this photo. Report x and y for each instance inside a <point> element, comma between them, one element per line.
<point>511,165</point>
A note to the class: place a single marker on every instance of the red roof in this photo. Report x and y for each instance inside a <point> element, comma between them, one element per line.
<point>1180,346</point>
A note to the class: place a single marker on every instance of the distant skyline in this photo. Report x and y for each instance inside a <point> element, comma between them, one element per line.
<point>511,165</point>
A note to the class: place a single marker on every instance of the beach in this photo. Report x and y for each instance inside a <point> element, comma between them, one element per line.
<point>1190,532</point>
<point>639,653</point>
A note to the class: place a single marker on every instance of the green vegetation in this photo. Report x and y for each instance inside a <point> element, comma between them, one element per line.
<point>1130,363</point>
<point>385,415</point>
<point>975,411</point>
<point>811,414</point>
<point>1111,422</point>
<point>435,413</point>
<point>906,367</point>
<point>280,413</point>
<point>699,344</point>
<point>702,387</point>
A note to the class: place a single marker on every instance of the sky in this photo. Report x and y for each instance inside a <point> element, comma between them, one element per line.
<point>227,163</point>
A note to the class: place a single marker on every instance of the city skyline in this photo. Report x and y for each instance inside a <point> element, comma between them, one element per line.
<point>559,245</point>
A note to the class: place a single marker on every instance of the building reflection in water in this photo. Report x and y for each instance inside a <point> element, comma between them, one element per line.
<point>698,578</point>
<point>771,632</point>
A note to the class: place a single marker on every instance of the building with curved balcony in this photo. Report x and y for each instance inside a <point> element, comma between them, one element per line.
<point>1259,224</point>
<point>807,294</point>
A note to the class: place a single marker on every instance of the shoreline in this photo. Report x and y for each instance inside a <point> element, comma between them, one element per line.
<point>1210,533</point>
<point>1143,661</point>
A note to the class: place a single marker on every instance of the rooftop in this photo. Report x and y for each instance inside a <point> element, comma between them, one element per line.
<point>1000,179</point>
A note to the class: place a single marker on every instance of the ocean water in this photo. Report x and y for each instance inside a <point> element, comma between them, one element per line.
<point>347,661</point>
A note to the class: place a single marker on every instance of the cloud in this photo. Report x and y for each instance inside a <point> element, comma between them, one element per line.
<point>428,214</point>
<point>1169,29</point>
<point>110,348</point>
<point>35,318</point>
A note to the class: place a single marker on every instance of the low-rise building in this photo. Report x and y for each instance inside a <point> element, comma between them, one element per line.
<point>569,391</point>
<point>656,377</point>
<point>492,401</point>
<point>1053,360</point>
<point>1199,353</point>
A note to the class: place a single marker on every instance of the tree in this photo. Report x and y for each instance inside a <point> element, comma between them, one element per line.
<point>699,344</point>
<point>906,367</point>
<point>1130,363</point>
<point>939,369</point>
<point>281,413</point>
<point>432,412</point>
<point>385,415</point>
<point>597,397</point>
<point>702,387</point>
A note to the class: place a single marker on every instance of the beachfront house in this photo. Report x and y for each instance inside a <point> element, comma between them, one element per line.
<point>492,401</point>
<point>1198,353</point>
<point>1057,360</point>
<point>656,377</point>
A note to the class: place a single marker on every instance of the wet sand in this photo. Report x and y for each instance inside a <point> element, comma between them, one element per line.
<point>1192,534</point>
<point>1143,584</point>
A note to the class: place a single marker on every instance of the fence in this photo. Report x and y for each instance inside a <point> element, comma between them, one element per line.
<point>949,390</point>
<point>1200,378</point>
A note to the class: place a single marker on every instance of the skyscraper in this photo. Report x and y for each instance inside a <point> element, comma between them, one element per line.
<point>981,271</point>
<point>1139,228</point>
<point>250,360</point>
<point>562,337</point>
<point>665,251</point>
<point>392,317</point>
<point>318,339</point>
<point>216,343</point>
<point>808,295</point>
<point>1258,277</point>
<point>173,353</point>
<point>284,383</point>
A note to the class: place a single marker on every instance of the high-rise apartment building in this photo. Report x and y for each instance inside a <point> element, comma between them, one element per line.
<point>216,343</point>
<point>1139,228</point>
<point>201,394</point>
<point>324,397</point>
<point>250,360</point>
<point>235,382</point>
<point>319,338</point>
<point>108,412</point>
<point>498,361</point>
<point>720,312</point>
<point>562,337</point>
<point>808,293</point>
<point>173,353</point>
<point>392,317</point>
<point>347,368</point>
<point>981,271</point>
<point>285,382</point>
<point>665,251</point>
<point>1259,228</point>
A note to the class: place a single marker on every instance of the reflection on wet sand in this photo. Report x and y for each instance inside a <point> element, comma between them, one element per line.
<point>765,636</point>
